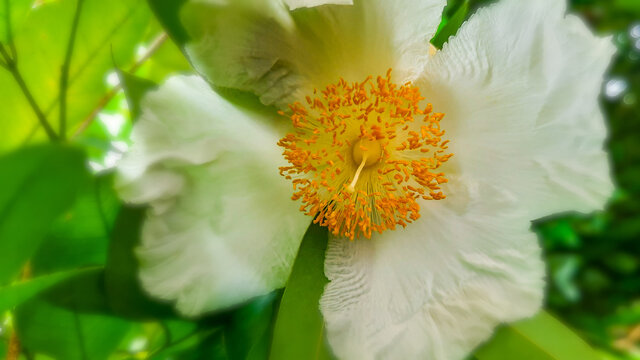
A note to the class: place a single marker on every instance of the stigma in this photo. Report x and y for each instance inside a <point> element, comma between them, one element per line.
<point>363,155</point>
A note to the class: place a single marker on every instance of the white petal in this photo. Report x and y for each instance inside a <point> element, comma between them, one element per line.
<point>281,56</point>
<point>436,289</point>
<point>519,85</point>
<point>221,227</point>
<point>294,4</point>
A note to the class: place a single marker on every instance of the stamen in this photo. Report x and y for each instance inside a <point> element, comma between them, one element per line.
<point>374,135</point>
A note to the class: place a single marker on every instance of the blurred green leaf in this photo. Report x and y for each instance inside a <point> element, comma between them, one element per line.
<point>299,328</point>
<point>563,273</point>
<point>450,26</point>
<point>66,334</point>
<point>248,335</point>
<point>37,185</point>
<point>168,13</point>
<point>539,338</point>
<point>81,238</point>
<point>40,31</point>
<point>135,88</point>
<point>84,292</point>
<point>125,293</point>
<point>17,293</point>
<point>632,6</point>
<point>208,344</point>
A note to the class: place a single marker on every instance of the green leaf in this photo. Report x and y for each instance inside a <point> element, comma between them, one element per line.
<point>124,291</point>
<point>15,294</point>
<point>37,185</point>
<point>41,31</point>
<point>66,334</point>
<point>631,6</point>
<point>207,344</point>
<point>82,293</point>
<point>168,13</point>
<point>539,338</point>
<point>135,88</point>
<point>450,26</point>
<point>250,329</point>
<point>81,237</point>
<point>299,328</point>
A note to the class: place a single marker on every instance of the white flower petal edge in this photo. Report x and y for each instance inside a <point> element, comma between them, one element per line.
<point>436,289</point>
<point>282,55</point>
<point>221,227</point>
<point>295,4</point>
<point>519,85</point>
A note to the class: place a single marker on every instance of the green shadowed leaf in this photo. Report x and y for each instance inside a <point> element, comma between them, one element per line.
<point>135,88</point>
<point>15,294</point>
<point>539,338</point>
<point>37,185</point>
<point>450,26</point>
<point>249,331</point>
<point>67,334</point>
<point>207,344</point>
<point>81,237</point>
<point>299,329</point>
<point>632,6</point>
<point>125,294</point>
<point>168,13</point>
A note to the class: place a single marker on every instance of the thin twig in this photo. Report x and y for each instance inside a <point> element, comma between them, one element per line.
<point>83,66</point>
<point>11,43</point>
<point>5,55</point>
<point>155,45</point>
<point>64,72</point>
<point>12,67</point>
<point>13,353</point>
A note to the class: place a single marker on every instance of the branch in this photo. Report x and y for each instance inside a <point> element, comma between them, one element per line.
<point>12,67</point>
<point>64,72</point>
<point>155,45</point>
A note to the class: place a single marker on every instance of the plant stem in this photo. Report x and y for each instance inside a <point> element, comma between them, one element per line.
<point>13,352</point>
<point>64,72</point>
<point>12,67</point>
<point>12,45</point>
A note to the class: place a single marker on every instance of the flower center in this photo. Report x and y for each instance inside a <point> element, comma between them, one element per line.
<point>365,153</point>
<point>362,154</point>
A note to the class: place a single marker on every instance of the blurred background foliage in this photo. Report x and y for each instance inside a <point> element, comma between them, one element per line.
<point>68,289</point>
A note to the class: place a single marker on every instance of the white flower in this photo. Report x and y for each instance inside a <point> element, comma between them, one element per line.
<point>518,86</point>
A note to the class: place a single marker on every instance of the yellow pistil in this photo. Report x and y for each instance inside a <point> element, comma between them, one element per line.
<point>362,154</point>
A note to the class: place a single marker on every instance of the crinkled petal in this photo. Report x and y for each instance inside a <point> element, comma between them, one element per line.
<point>221,227</point>
<point>519,85</point>
<point>436,289</point>
<point>282,55</point>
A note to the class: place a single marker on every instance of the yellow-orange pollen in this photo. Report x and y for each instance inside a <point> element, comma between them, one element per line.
<point>361,155</point>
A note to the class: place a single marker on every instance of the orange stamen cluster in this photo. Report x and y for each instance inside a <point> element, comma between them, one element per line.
<point>354,197</point>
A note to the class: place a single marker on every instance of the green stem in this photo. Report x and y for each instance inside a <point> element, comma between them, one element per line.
<point>12,67</point>
<point>64,72</point>
<point>12,46</point>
